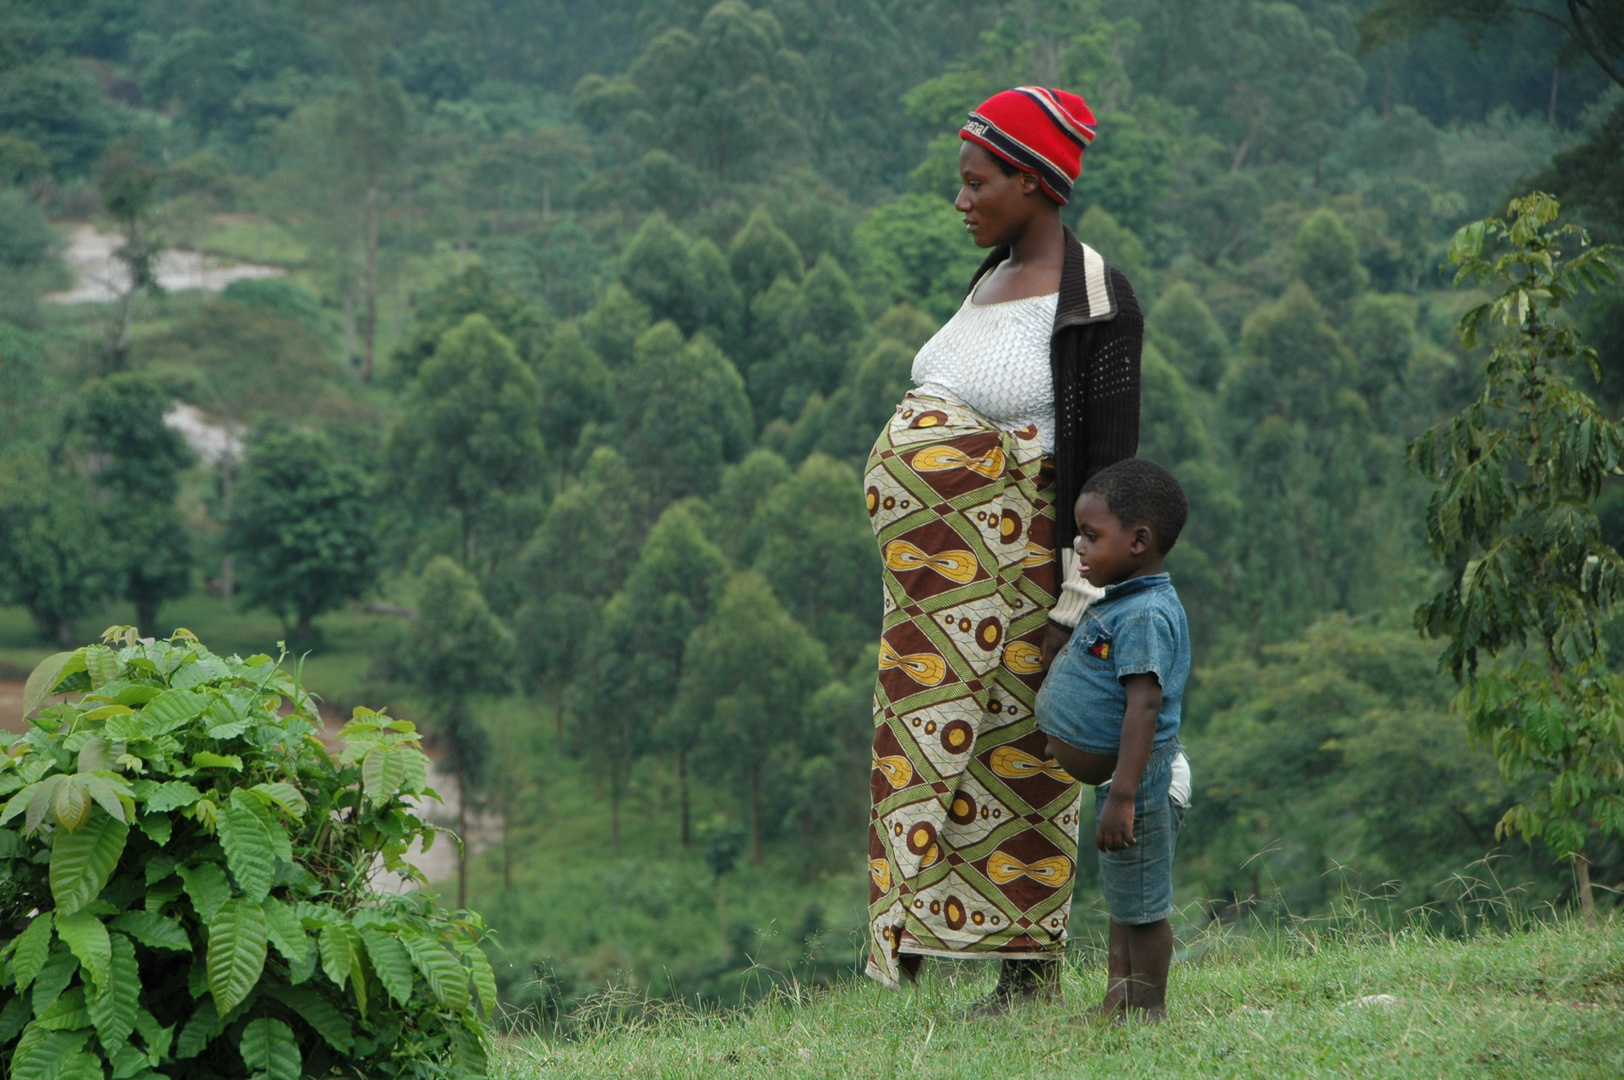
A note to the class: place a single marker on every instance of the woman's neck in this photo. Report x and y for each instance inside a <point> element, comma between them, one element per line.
<point>1041,243</point>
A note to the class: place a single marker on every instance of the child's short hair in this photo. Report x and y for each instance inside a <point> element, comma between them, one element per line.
<point>1139,491</point>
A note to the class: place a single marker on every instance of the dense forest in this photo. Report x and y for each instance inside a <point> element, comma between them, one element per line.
<point>545,417</point>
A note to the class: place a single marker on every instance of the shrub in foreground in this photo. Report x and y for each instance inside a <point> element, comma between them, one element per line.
<point>184,882</point>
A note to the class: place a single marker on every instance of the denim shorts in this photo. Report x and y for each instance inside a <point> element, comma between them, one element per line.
<point>1138,882</point>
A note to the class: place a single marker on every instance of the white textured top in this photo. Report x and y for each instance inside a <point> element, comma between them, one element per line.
<point>995,359</point>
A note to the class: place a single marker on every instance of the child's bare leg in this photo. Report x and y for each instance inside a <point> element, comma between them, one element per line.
<point>1119,967</point>
<point>1150,949</point>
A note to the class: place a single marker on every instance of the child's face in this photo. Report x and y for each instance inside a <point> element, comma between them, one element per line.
<point>1107,551</point>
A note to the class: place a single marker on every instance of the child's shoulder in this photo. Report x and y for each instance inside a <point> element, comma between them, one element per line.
<point>1159,603</point>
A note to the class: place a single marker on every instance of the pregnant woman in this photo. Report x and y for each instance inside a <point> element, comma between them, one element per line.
<point>1028,390</point>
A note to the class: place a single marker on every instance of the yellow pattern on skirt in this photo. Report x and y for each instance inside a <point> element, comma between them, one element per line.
<point>973,835</point>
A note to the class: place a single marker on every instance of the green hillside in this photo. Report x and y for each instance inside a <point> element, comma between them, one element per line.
<point>551,434</point>
<point>1548,1002</point>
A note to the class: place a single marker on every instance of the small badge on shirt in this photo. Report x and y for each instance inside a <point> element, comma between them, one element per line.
<point>1100,647</point>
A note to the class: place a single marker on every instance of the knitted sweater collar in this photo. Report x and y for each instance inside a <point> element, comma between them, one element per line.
<point>1086,293</point>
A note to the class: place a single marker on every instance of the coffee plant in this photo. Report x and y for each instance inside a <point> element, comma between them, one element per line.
<point>185,882</point>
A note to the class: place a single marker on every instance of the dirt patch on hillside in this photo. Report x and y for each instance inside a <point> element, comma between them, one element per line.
<point>11,705</point>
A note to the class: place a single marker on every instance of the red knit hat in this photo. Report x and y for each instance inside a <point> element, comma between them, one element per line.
<point>1043,132</point>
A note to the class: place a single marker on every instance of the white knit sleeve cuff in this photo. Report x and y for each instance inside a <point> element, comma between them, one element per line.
<point>1075,593</point>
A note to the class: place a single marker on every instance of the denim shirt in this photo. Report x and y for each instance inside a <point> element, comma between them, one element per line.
<point>1137,626</point>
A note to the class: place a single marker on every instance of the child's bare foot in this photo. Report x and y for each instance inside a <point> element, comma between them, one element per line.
<point>1153,1015</point>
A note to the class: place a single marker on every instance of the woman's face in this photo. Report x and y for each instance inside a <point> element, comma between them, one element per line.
<point>996,207</point>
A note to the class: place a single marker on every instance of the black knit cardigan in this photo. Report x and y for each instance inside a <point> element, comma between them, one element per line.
<point>1094,354</point>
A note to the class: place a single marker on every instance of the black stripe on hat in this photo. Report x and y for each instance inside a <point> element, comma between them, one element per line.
<point>1020,155</point>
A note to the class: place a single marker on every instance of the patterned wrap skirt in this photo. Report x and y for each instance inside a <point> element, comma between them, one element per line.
<point>973,832</point>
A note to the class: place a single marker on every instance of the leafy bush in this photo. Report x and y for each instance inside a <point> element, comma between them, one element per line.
<point>185,882</point>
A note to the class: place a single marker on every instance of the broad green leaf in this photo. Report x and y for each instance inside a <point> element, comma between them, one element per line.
<point>158,868</point>
<point>269,1050</point>
<point>82,1066</point>
<point>114,1004</point>
<point>205,669</point>
<point>250,854</point>
<point>447,979</point>
<point>170,709</point>
<point>40,803</point>
<point>66,1013</point>
<point>237,942</point>
<point>160,827</point>
<point>479,969</point>
<point>230,729</point>
<point>131,1062</point>
<point>138,695</point>
<point>81,862</point>
<point>285,931</point>
<point>204,759</point>
<point>126,727</point>
<point>13,1017</point>
<point>71,805</point>
<point>417,774</point>
<point>390,961</point>
<point>285,796</point>
<point>95,754</point>
<point>86,935</point>
<point>256,804</point>
<point>153,930</point>
<point>102,663</point>
<point>44,678</point>
<point>304,967</point>
<point>469,1059</point>
<point>204,1026</point>
<point>382,772</point>
<point>41,1053</point>
<point>156,1037</point>
<point>172,795</point>
<point>322,1015</point>
<point>19,802</point>
<point>206,884</point>
<point>338,944</point>
<point>103,793</point>
<point>53,978</point>
<point>33,946</point>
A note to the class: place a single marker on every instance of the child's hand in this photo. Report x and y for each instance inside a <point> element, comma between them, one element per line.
<point>1115,830</point>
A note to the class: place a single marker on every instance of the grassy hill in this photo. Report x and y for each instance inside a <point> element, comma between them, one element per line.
<point>1548,1002</point>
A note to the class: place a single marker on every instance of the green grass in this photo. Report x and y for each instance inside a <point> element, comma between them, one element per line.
<point>1548,1002</point>
<point>254,241</point>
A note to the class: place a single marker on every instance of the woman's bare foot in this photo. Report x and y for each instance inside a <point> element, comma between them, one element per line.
<point>1111,1010</point>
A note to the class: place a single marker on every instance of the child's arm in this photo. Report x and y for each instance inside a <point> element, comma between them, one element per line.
<point>1115,829</point>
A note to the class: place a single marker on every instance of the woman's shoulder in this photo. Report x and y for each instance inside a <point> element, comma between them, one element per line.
<point>1092,290</point>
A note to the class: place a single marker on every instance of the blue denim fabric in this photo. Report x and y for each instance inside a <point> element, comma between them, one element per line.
<point>1137,626</point>
<point>1138,883</point>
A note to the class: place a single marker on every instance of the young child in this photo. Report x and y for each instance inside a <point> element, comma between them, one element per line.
<point>1110,706</point>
